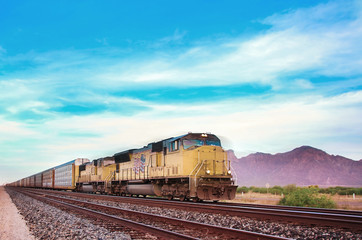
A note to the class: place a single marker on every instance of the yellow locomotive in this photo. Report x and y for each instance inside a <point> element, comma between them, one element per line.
<point>192,166</point>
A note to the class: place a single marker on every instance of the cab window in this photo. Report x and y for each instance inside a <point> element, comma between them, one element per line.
<point>174,146</point>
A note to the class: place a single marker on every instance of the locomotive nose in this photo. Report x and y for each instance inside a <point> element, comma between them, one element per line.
<point>214,159</point>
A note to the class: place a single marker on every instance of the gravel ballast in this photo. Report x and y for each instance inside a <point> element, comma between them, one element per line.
<point>83,229</point>
<point>47,222</point>
<point>248,224</point>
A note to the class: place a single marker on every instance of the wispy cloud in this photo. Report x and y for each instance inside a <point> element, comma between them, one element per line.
<point>175,39</point>
<point>319,44</point>
<point>11,130</point>
<point>2,50</point>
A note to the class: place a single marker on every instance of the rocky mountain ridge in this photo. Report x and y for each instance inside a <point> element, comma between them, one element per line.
<point>302,166</point>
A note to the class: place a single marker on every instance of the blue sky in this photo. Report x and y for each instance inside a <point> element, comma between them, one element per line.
<point>91,78</point>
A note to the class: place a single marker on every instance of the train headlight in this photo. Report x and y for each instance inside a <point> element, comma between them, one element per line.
<point>229,172</point>
<point>207,171</point>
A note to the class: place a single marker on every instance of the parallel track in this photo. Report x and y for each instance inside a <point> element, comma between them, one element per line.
<point>306,209</point>
<point>176,228</point>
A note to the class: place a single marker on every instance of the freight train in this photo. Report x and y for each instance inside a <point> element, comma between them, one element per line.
<point>192,166</point>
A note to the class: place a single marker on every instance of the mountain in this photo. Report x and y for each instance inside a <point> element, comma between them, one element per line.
<point>302,166</point>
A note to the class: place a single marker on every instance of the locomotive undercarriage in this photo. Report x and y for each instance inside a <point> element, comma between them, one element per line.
<point>203,188</point>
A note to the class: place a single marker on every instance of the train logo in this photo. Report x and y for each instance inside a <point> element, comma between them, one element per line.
<point>139,164</point>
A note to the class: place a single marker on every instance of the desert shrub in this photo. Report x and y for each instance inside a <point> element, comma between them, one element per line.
<point>341,190</point>
<point>306,197</point>
<point>276,190</point>
<point>323,190</point>
<point>242,189</point>
<point>330,190</point>
<point>358,191</point>
<point>260,190</point>
<point>290,188</point>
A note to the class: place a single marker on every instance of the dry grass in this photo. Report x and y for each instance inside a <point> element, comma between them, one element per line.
<point>343,202</point>
<point>348,202</point>
<point>257,198</point>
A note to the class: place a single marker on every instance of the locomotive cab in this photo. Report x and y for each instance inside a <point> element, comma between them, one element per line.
<point>206,164</point>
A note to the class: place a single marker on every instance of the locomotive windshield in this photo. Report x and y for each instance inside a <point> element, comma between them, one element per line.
<point>187,143</point>
<point>213,143</point>
<point>192,142</point>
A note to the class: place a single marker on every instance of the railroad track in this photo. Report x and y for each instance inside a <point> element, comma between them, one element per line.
<point>307,209</point>
<point>160,226</point>
<point>305,216</point>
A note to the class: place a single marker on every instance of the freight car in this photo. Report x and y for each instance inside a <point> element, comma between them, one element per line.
<point>192,166</point>
<point>59,177</point>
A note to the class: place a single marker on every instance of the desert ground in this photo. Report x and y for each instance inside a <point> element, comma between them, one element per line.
<point>343,202</point>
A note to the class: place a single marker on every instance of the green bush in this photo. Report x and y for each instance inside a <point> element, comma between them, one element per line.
<point>277,190</point>
<point>307,197</point>
<point>341,190</point>
<point>290,188</point>
<point>242,189</point>
<point>260,190</point>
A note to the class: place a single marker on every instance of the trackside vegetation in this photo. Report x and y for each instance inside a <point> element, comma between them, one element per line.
<point>307,197</point>
<point>278,190</point>
<point>311,196</point>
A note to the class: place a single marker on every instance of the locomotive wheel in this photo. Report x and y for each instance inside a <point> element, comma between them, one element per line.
<point>196,199</point>
<point>182,198</point>
<point>170,197</point>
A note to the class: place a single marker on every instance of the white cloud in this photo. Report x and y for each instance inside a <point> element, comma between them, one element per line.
<point>317,40</point>
<point>324,40</point>
<point>304,84</point>
<point>14,88</point>
<point>11,130</point>
<point>299,121</point>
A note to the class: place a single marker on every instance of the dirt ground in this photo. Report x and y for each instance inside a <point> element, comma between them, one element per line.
<point>13,226</point>
<point>343,202</point>
<point>348,202</point>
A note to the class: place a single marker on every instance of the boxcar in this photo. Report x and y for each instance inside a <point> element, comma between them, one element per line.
<point>27,184</point>
<point>31,181</point>
<point>65,175</point>
<point>48,178</point>
<point>39,180</point>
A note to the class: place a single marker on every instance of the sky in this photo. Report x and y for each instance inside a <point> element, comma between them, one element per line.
<point>92,78</point>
